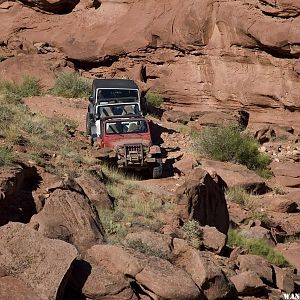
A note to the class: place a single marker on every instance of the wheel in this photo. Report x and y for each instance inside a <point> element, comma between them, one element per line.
<point>157,171</point>
<point>87,125</point>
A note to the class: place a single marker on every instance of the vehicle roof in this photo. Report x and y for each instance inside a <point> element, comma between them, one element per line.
<point>114,83</point>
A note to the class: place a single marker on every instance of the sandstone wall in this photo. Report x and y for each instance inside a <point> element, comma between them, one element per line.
<point>202,55</point>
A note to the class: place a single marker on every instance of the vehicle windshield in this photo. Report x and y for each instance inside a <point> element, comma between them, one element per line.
<point>118,110</point>
<point>125,127</point>
<point>117,95</point>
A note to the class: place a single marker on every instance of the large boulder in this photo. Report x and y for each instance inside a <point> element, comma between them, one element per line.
<point>92,280</point>
<point>200,198</point>
<point>236,175</point>
<point>258,265</point>
<point>163,279</point>
<point>287,173</point>
<point>212,239</point>
<point>160,244</point>
<point>13,288</point>
<point>258,233</point>
<point>204,271</point>
<point>284,279</point>
<point>248,283</point>
<point>115,258</point>
<point>155,275</point>
<point>291,252</point>
<point>42,264</point>
<point>69,216</point>
<point>95,190</point>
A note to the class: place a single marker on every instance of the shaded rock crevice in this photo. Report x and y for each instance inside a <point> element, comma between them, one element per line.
<point>16,200</point>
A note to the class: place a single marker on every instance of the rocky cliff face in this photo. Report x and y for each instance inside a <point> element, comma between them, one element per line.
<point>201,55</point>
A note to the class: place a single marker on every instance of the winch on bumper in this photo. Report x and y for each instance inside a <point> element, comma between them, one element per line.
<point>138,155</point>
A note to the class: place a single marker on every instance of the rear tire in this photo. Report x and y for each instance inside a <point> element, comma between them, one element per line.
<point>87,125</point>
<point>157,171</point>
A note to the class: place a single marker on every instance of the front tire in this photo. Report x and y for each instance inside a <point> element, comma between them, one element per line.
<point>157,171</point>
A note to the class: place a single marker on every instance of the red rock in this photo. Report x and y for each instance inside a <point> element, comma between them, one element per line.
<point>200,198</point>
<point>258,265</point>
<point>176,116</point>
<point>286,173</point>
<point>204,271</point>
<point>95,190</point>
<point>42,264</point>
<point>95,281</point>
<point>163,279</point>
<point>259,233</point>
<point>236,175</point>
<point>283,205</point>
<point>115,259</point>
<point>212,239</point>
<point>69,216</point>
<point>291,252</point>
<point>247,283</point>
<point>158,243</point>
<point>284,280</point>
<point>155,275</point>
<point>199,54</point>
<point>12,288</point>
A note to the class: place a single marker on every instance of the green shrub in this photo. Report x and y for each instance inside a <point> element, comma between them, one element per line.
<point>71,85</point>
<point>154,99</point>
<point>6,156</point>
<point>257,247</point>
<point>29,87</point>
<point>229,144</point>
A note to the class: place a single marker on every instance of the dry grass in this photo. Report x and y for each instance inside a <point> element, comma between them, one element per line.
<point>135,206</point>
<point>240,196</point>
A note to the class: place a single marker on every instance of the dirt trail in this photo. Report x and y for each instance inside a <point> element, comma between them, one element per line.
<point>50,106</point>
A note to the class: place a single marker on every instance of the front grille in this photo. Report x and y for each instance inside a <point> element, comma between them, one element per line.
<point>134,154</point>
<point>133,148</point>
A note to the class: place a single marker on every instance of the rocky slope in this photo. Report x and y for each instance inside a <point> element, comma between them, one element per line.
<point>100,236</point>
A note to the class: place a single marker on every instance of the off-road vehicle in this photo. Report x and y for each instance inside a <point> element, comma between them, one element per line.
<point>111,97</point>
<point>129,141</point>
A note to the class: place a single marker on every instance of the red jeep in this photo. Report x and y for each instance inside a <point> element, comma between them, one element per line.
<point>130,142</point>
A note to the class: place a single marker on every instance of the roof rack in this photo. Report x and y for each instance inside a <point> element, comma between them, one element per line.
<point>114,83</point>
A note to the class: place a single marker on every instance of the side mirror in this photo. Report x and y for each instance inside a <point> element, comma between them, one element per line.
<point>91,99</point>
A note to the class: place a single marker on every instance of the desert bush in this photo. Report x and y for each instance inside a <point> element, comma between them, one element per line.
<point>71,85</point>
<point>257,247</point>
<point>28,87</point>
<point>229,144</point>
<point>193,233</point>
<point>278,190</point>
<point>262,217</point>
<point>154,99</point>
<point>138,245</point>
<point>6,156</point>
<point>111,222</point>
